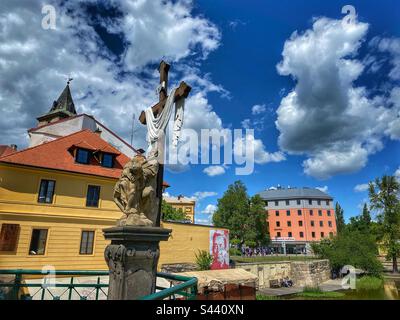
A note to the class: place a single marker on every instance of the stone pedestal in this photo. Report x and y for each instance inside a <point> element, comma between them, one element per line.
<point>132,259</point>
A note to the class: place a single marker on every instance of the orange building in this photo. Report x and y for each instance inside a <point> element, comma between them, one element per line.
<point>297,217</point>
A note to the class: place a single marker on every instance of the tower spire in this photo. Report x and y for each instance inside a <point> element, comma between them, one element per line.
<point>64,107</point>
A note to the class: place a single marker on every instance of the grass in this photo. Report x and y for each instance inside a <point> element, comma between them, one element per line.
<point>317,294</point>
<point>369,283</point>
<point>271,259</point>
<point>263,297</point>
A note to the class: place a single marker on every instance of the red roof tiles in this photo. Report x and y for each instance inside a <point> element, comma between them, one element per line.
<point>56,155</point>
<point>6,150</point>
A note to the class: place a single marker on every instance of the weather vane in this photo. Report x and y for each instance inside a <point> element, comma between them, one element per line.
<point>69,80</point>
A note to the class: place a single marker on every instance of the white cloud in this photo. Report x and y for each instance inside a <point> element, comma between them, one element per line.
<point>246,124</point>
<point>397,174</point>
<point>213,171</point>
<point>164,28</point>
<point>325,117</point>
<point>261,156</point>
<point>204,194</point>
<point>361,187</point>
<point>210,209</point>
<point>34,65</point>
<point>323,189</point>
<point>203,221</point>
<point>391,46</point>
<point>258,109</point>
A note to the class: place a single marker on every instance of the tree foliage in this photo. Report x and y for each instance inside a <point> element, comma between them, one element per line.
<point>245,217</point>
<point>339,214</point>
<point>172,214</point>
<point>383,194</point>
<point>350,247</point>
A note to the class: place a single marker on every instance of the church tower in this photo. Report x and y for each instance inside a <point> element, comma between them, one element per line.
<point>62,108</point>
<point>63,120</point>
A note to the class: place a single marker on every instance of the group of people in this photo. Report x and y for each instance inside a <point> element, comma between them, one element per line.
<point>254,252</point>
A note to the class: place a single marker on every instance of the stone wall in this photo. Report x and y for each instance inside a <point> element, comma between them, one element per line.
<point>310,273</point>
<point>267,271</point>
<point>303,273</point>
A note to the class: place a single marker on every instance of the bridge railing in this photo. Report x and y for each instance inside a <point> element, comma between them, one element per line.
<point>47,285</point>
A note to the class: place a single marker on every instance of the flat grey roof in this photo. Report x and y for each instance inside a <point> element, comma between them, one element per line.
<point>294,193</point>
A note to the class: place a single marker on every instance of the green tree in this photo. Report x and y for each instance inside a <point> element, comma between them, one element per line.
<point>339,214</point>
<point>383,194</point>
<point>362,222</point>
<point>366,216</point>
<point>350,247</point>
<point>245,217</point>
<point>172,214</point>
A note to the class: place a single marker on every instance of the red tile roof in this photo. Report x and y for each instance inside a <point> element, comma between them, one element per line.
<point>56,155</point>
<point>6,150</point>
<point>81,115</point>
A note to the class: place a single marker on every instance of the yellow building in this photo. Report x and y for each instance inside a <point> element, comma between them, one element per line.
<point>55,200</point>
<point>183,204</point>
<point>56,197</point>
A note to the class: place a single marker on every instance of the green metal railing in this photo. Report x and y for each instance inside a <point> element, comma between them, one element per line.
<point>185,288</point>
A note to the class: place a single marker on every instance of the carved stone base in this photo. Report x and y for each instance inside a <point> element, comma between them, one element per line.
<point>132,259</point>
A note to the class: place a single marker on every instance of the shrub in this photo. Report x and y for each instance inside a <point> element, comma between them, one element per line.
<point>204,260</point>
<point>369,283</point>
<point>235,252</point>
<point>350,248</point>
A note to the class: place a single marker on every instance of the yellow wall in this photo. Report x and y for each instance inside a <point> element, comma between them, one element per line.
<point>67,217</point>
<point>64,236</point>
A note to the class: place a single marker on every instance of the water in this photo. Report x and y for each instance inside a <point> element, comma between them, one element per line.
<point>390,291</point>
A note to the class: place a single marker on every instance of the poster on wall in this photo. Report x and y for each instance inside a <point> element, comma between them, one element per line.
<point>219,249</point>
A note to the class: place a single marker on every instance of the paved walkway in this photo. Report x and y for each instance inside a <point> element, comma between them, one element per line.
<point>331,285</point>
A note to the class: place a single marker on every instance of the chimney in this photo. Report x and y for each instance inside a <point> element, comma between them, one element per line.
<point>14,147</point>
<point>98,131</point>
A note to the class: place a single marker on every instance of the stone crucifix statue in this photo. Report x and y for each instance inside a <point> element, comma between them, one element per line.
<point>138,193</point>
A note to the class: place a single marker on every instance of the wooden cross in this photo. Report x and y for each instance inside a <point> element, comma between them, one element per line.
<point>181,92</point>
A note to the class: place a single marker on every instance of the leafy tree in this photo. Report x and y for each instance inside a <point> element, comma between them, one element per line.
<point>172,214</point>
<point>383,195</point>
<point>245,217</point>
<point>366,216</point>
<point>350,248</point>
<point>339,214</point>
<point>362,222</point>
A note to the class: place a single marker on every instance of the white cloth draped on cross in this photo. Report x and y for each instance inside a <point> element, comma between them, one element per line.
<point>156,126</point>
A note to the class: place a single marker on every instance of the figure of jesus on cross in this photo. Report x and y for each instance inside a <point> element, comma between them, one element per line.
<point>157,117</point>
<point>138,192</point>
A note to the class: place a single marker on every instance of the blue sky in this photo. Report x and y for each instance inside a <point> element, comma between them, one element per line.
<point>229,52</point>
<point>246,66</point>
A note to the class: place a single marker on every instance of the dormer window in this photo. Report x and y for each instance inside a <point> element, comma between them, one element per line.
<point>82,156</point>
<point>107,160</point>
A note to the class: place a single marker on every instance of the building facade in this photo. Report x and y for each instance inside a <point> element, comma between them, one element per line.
<point>297,217</point>
<point>183,204</point>
<point>54,205</point>
<point>56,197</point>
<point>62,120</point>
